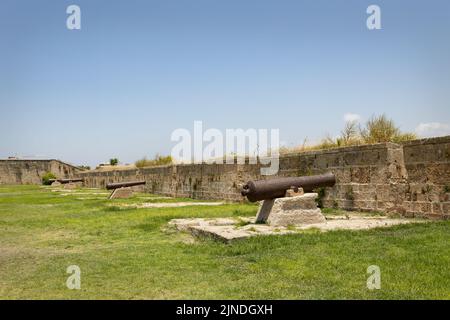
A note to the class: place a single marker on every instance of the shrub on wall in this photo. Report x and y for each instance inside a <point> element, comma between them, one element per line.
<point>47,177</point>
<point>157,161</point>
<point>377,129</point>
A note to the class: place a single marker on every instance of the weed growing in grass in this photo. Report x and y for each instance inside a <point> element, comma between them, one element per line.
<point>320,197</point>
<point>242,223</point>
<point>117,208</point>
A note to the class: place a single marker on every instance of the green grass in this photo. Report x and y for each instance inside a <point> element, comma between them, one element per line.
<point>130,253</point>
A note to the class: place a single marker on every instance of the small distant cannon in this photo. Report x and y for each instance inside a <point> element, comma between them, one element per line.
<point>71,183</point>
<point>66,181</point>
<point>270,190</point>
<point>122,189</point>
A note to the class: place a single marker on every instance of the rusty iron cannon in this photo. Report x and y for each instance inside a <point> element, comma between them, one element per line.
<point>283,197</point>
<point>117,185</point>
<point>277,187</point>
<point>122,189</point>
<point>66,181</point>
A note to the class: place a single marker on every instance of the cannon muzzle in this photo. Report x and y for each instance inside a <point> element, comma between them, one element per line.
<point>276,188</point>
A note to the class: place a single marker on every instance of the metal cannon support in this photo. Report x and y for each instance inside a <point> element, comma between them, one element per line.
<point>276,188</point>
<point>122,189</point>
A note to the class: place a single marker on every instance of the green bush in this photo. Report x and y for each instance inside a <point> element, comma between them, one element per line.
<point>47,177</point>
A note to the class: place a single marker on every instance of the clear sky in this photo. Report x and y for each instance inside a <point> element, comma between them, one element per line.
<point>138,70</point>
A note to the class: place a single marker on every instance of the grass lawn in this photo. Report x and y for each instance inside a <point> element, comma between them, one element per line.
<point>127,253</point>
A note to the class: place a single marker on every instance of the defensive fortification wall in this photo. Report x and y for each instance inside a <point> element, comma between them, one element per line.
<point>412,179</point>
<point>32,171</point>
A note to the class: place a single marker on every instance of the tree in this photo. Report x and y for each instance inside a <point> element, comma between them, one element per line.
<point>114,161</point>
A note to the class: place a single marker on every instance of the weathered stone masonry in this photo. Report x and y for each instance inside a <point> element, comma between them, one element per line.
<point>32,171</point>
<point>412,179</point>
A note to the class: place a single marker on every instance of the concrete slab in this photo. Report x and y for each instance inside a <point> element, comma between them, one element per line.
<point>231,229</point>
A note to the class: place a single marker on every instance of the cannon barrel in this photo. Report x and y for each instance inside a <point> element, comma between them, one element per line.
<point>111,186</point>
<point>276,188</point>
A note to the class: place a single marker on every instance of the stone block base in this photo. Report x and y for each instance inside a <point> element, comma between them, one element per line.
<point>72,185</point>
<point>121,193</point>
<point>296,210</point>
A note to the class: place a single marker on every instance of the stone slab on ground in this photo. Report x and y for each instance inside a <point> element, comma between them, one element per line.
<point>231,233</point>
<point>185,224</point>
<point>357,224</point>
<point>230,229</point>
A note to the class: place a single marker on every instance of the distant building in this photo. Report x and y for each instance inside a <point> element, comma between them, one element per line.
<point>103,165</point>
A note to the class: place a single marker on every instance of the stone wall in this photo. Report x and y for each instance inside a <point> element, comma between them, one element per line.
<point>412,179</point>
<point>32,171</point>
<point>427,164</point>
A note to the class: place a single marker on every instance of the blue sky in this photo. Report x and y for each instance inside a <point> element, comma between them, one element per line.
<point>138,70</point>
